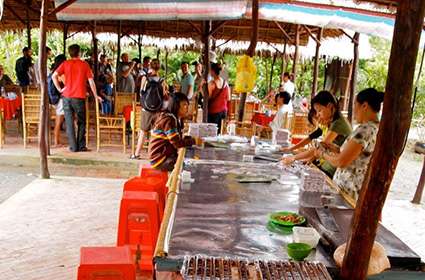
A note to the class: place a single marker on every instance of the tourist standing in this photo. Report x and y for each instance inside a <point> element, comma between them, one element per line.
<point>37,63</point>
<point>146,66</point>
<point>125,79</point>
<point>187,81</point>
<point>24,68</point>
<point>219,92</point>
<point>55,97</point>
<point>74,92</point>
<point>152,85</point>
<point>287,85</point>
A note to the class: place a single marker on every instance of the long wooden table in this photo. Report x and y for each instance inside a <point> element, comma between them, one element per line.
<point>218,216</point>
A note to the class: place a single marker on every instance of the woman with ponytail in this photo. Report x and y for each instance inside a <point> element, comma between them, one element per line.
<point>353,158</point>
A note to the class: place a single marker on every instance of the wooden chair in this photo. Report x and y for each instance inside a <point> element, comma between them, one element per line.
<point>136,118</point>
<point>244,129</point>
<point>300,127</point>
<point>2,128</point>
<point>90,120</point>
<point>122,99</point>
<point>31,101</point>
<point>110,125</point>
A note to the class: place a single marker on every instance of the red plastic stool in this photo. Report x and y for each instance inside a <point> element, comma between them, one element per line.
<point>149,184</point>
<point>101,263</point>
<point>147,171</point>
<point>139,223</point>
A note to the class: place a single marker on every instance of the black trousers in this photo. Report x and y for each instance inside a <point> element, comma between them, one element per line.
<point>77,107</point>
<point>216,118</point>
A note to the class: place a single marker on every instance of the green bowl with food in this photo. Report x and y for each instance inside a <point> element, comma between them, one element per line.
<point>298,251</point>
<point>285,218</point>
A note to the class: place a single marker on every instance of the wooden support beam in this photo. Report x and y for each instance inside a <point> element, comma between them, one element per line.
<point>119,43</point>
<point>316,63</point>
<point>317,40</point>
<point>390,143</point>
<point>297,43</point>
<point>282,66</point>
<point>76,32</point>
<point>139,43</point>
<point>271,69</point>
<point>227,41</point>
<point>44,104</point>
<point>217,27</point>
<point>353,78</point>
<point>195,28</point>
<point>62,6</point>
<point>288,38</point>
<point>353,39</point>
<point>206,62</point>
<point>250,52</point>
<point>95,51</point>
<point>65,36</point>
<point>28,23</point>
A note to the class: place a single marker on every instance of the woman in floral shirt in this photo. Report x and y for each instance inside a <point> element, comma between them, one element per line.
<point>353,158</point>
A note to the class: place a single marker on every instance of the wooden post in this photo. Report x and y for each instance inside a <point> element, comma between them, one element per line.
<point>139,45</point>
<point>420,188</point>
<point>297,43</point>
<point>166,62</point>
<point>65,36</point>
<point>271,70</point>
<point>393,130</point>
<point>250,52</point>
<point>95,52</point>
<point>353,80</point>
<point>28,24</point>
<point>283,65</point>
<point>316,62</point>
<point>206,62</point>
<point>119,43</point>
<point>44,105</point>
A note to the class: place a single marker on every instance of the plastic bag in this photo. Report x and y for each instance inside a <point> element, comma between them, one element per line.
<point>246,74</point>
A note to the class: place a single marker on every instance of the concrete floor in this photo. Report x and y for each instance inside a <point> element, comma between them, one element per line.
<point>43,226</point>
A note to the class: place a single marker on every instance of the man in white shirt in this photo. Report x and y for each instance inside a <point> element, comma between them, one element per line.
<point>287,85</point>
<point>285,109</point>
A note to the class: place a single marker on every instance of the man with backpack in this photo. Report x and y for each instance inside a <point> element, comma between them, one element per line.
<point>154,95</point>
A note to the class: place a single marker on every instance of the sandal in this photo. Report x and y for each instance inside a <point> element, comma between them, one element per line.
<point>135,157</point>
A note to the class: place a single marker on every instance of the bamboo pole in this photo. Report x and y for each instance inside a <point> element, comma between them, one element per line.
<point>161,248</point>
<point>392,135</point>
<point>271,70</point>
<point>44,105</point>
<point>28,21</point>
<point>420,188</point>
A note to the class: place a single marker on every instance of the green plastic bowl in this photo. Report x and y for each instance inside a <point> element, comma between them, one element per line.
<point>273,217</point>
<point>298,251</point>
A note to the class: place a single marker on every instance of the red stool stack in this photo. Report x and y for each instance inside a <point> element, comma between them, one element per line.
<point>139,224</point>
<point>112,263</point>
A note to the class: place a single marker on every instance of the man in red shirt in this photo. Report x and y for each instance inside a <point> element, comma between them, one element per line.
<point>74,92</point>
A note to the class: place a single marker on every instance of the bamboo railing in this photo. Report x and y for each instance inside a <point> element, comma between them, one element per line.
<point>170,206</point>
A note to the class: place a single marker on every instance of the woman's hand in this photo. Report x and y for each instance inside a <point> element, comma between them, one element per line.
<point>288,160</point>
<point>286,149</point>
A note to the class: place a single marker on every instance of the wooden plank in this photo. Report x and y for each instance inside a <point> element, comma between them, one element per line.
<point>393,130</point>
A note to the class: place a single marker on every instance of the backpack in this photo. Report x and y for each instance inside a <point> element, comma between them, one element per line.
<point>54,94</point>
<point>152,97</point>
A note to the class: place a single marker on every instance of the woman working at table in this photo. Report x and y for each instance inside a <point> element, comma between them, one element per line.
<point>335,130</point>
<point>353,159</point>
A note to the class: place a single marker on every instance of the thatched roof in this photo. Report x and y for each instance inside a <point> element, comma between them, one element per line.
<point>14,17</point>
